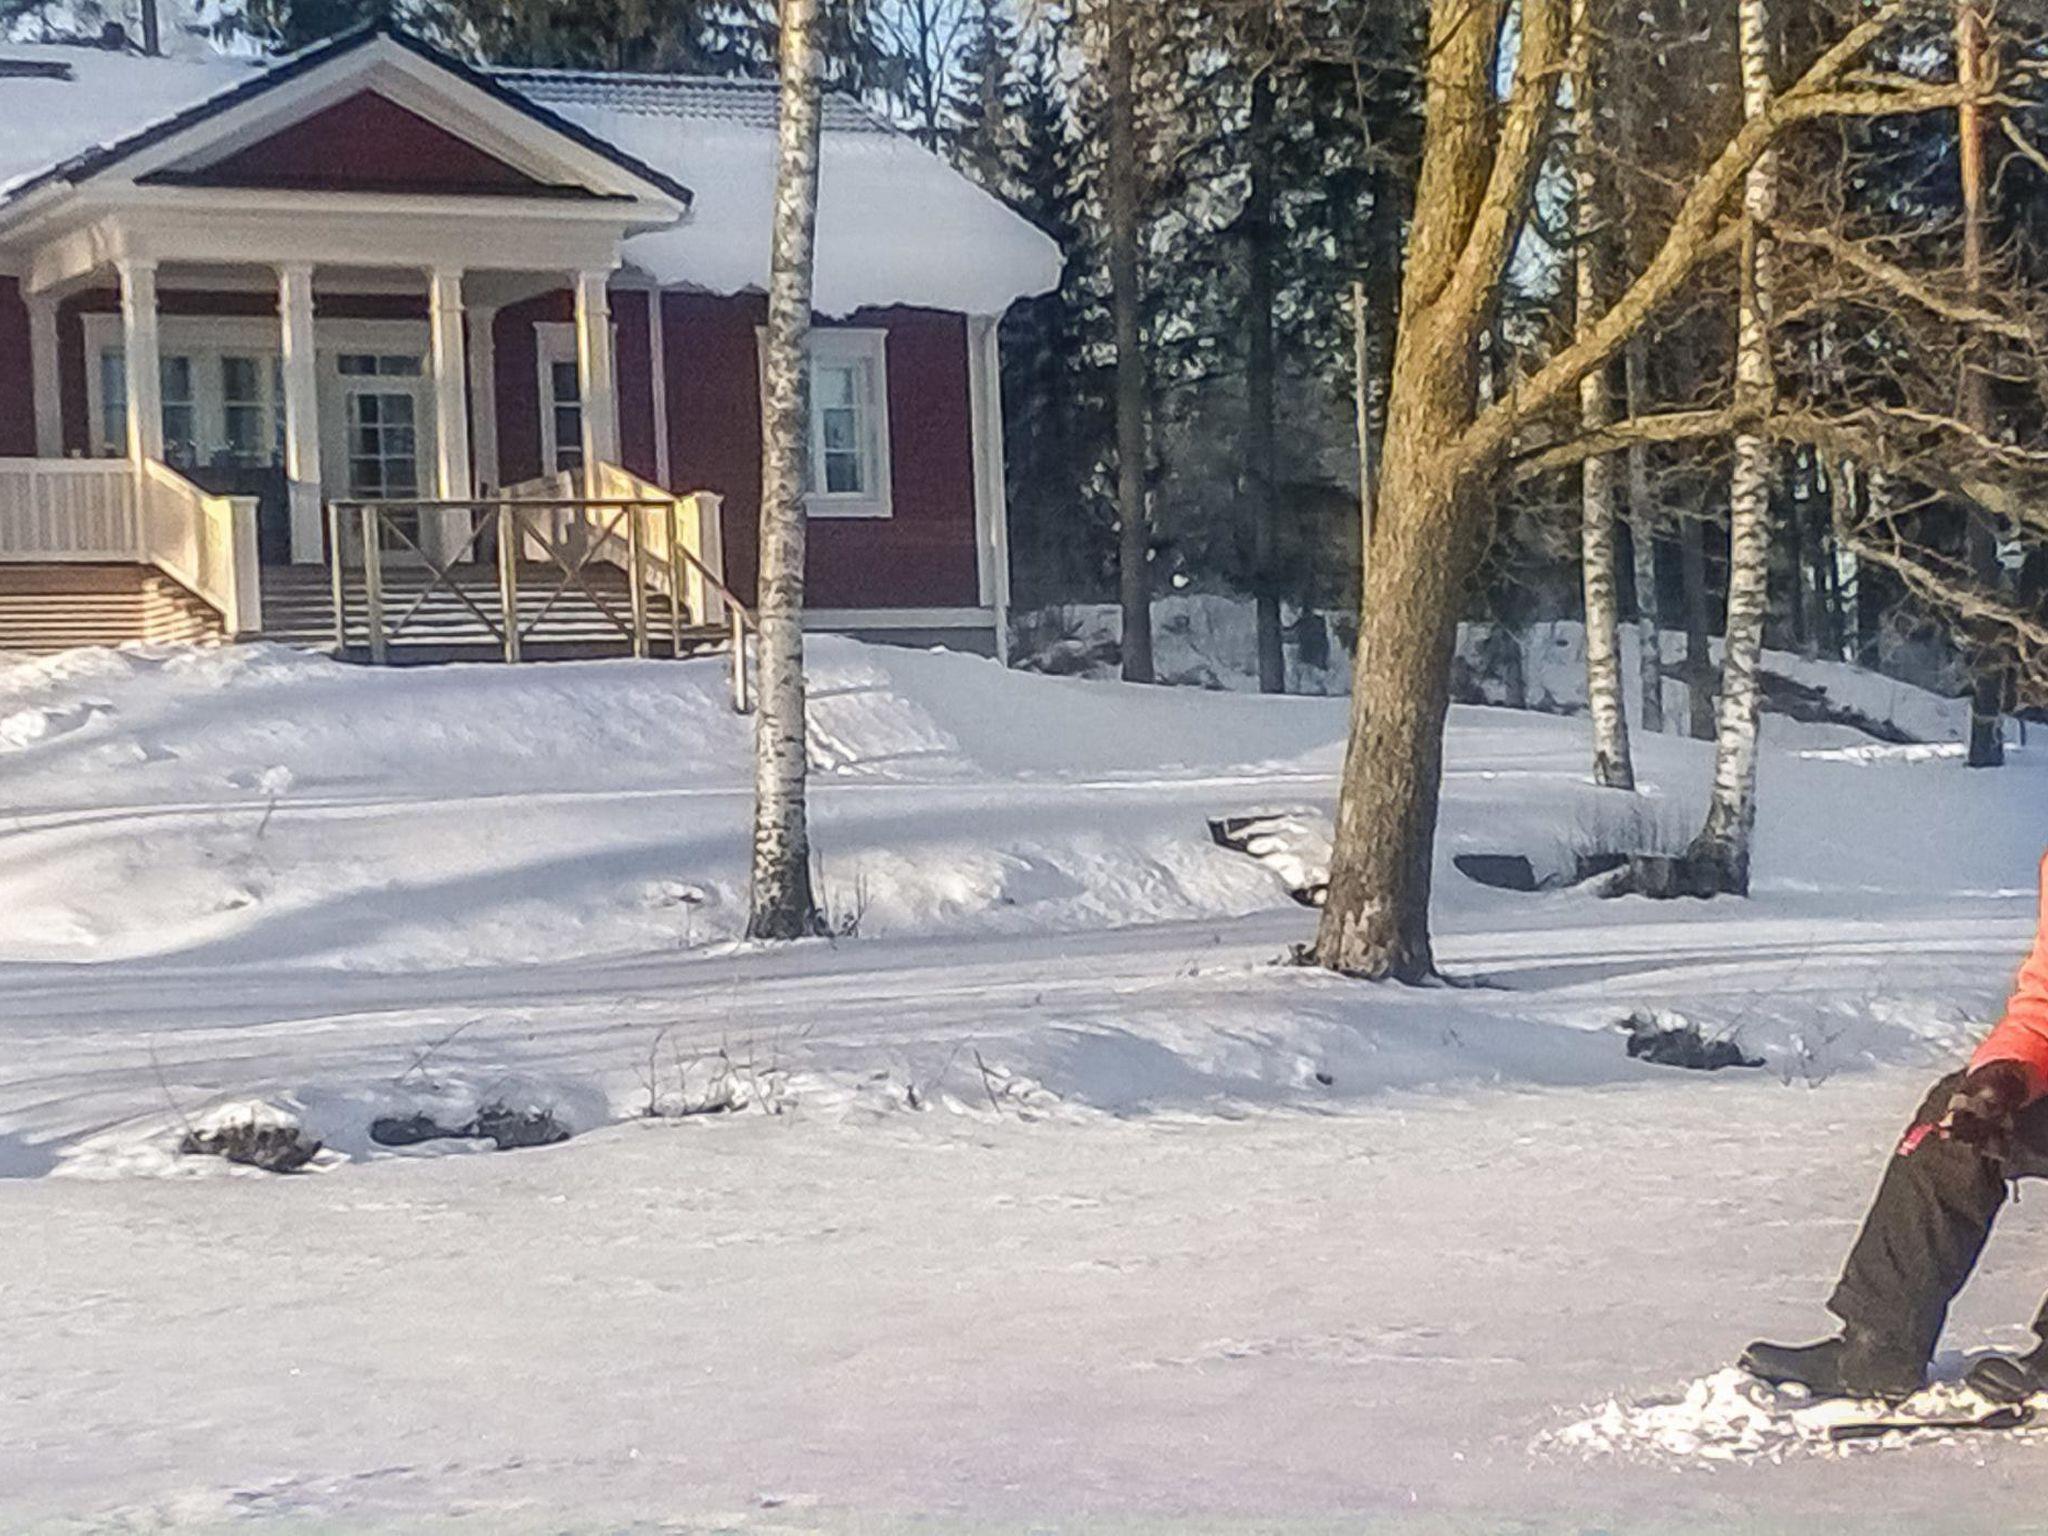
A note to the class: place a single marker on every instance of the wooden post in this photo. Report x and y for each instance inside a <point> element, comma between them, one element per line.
<point>740,701</point>
<point>337,579</point>
<point>675,578</point>
<point>636,576</point>
<point>508,577</point>
<point>373,584</point>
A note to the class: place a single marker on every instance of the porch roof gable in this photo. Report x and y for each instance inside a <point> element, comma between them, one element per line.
<point>265,80</point>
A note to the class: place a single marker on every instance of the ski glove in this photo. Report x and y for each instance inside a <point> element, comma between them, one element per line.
<point>1981,1110</point>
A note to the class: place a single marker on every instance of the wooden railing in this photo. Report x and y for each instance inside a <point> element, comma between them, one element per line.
<point>205,542</point>
<point>67,509</point>
<point>490,574</point>
<point>693,564</point>
<point>74,510</point>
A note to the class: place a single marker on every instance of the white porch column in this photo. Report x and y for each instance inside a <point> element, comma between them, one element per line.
<point>483,395</point>
<point>43,376</point>
<point>298,360</point>
<point>657,362</point>
<point>452,480</point>
<point>143,370</point>
<point>594,369</point>
<point>991,491</point>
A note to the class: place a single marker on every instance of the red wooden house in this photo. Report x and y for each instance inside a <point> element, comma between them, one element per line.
<point>270,330</point>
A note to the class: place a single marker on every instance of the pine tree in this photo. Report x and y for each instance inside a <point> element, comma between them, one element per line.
<point>1062,526</point>
<point>988,101</point>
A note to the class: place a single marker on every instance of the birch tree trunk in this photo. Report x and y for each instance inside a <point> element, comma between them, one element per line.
<point>1122,173</point>
<point>1642,541</point>
<point>1721,851</point>
<point>1259,234</point>
<point>1612,767</point>
<point>1699,656</point>
<point>783,904</point>
<point>1987,696</point>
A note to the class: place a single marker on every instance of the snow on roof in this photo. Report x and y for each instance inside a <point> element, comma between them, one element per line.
<point>108,96</point>
<point>896,224</point>
<point>751,103</point>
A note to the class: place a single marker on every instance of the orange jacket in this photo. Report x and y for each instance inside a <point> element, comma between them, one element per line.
<point>2022,1035</point>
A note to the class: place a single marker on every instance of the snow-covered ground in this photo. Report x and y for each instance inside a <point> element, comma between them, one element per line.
<point>1051,1201</point>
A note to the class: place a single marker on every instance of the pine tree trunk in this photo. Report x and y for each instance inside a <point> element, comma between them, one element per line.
<point>783,904</point>
<point>1643,542</point>
<point>1987,696</point>
<point>1722,850</point>
<point>1121,172</point>
<point>1259,235</point>
<point>1612,767</point>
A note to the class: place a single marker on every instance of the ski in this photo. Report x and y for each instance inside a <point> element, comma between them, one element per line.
<point>2004,1416</point>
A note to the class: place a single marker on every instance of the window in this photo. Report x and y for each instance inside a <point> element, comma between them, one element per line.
<point>561,395</point>
<point>113,401</point>
<point>178,384</point>
<point>382,452</point>
<point>379,365</point>
<point>247,434</point>
<point>847,468</point>
<point>180,412</point>
<point>565,408</point>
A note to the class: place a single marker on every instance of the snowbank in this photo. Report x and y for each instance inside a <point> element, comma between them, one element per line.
<point>289,878</point>
<point>1205,640</point>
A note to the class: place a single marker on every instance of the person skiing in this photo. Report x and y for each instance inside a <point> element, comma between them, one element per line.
<point>1942,1188</point>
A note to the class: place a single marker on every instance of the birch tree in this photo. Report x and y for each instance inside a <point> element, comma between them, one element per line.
<point>783,904</point>
<point>1642,542</point>
<point>1987,695</point>
<point>1721,851</point>
<point>1612,766</point>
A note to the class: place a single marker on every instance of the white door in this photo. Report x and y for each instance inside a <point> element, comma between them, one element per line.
<point>377,437</point>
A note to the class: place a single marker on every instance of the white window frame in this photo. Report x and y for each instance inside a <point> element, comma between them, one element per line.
<point>205,341</point>
<point>554,341</point>
<point>870,347</point>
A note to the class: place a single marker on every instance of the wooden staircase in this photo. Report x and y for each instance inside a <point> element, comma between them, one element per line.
<point>55,607</point>
<point>573,624</point>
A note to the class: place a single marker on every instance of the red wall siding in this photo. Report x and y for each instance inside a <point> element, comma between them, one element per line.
<point>924,555</point>
<point>367,143</point>
<point>17,374</point>
<point>518,370</point>
<point>636,382</point>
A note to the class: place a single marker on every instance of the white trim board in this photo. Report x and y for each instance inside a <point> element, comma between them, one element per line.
<point>899,618</point>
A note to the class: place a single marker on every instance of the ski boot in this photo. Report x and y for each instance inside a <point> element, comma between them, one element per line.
<point>1853,1363</point>
<point>2011,1378</point>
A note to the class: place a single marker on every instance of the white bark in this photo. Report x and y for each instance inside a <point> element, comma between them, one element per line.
<point>783,905</point>
<point>1724,842</point>
<point>1612,768</point>
<point>1642,540</point>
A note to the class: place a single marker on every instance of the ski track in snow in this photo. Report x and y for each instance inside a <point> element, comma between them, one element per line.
<point>1080,1211</point>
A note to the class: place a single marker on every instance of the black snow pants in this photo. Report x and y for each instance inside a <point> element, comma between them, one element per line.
<point>1928,1224</point>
